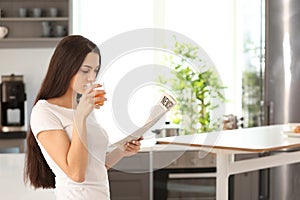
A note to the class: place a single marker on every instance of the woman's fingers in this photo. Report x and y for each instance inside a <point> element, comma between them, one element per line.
<point>91,88</point>
<point>99,98</point>
<point>95,96</point>
<point>133,145</point>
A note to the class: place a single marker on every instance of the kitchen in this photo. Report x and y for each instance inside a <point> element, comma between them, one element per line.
<point>226,56</point>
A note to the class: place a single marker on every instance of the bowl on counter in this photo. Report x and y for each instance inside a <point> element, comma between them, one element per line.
<point>3,31</point>
<point>292,126</point>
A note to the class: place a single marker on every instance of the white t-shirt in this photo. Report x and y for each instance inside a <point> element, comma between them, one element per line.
<point>46,116</point>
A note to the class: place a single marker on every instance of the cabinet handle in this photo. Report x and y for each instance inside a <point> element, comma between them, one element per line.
<point>192,175</point>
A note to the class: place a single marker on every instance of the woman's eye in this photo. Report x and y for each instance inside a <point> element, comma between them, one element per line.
<point>85,71</point>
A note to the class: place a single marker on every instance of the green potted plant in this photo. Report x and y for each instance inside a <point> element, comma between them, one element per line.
<point>195,91</point>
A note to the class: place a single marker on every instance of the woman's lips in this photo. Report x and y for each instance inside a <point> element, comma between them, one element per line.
<point>86,86</point>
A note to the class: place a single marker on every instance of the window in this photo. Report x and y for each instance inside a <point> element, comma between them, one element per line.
<point>218,26</point>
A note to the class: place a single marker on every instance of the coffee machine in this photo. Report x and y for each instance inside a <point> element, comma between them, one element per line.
<point>12,99</point>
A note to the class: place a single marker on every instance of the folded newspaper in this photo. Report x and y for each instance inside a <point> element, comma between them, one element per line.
<point>165,104</point>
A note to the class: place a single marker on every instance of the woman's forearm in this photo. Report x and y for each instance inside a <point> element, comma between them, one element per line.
<point>117,154</point>
<point>113,157</point>
<point>77,158</point>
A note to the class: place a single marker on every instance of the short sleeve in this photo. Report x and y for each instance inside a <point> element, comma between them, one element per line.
<point>43,119</point>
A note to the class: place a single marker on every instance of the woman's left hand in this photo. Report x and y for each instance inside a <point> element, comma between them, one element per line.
<point>133,146</point>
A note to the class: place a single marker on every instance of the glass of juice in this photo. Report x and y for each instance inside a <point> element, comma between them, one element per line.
<point>99,95</point>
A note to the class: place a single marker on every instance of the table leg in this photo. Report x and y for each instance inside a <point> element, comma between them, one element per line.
<point>223,161</point>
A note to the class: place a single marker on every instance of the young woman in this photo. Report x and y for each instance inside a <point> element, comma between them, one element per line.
<point>66,147</point>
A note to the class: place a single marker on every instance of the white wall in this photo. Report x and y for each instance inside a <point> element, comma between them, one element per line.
<point>31,63</point>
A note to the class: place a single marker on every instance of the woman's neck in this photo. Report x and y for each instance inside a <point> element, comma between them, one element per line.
<point>67,100</point>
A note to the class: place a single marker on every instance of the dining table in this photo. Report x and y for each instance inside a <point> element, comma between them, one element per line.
<point>226,144</point>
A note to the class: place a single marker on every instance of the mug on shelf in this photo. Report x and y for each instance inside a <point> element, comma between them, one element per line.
<point>47,29</point>
<point>60,30</point>
<point>3,31</point>
<point>37,12</point>
<point>23,12</point>
<point>53,12</point>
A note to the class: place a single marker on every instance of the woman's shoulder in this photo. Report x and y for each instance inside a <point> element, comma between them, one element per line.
<point>44,109</point>
<point>40,104</point>
<point>44,117</point>
<point>47,104</point>
<point>41,107</point>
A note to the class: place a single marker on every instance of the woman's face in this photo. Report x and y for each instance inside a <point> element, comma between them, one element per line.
<point>86,73</point>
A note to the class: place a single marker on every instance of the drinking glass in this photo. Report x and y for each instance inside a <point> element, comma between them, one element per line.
<point>99,93</point>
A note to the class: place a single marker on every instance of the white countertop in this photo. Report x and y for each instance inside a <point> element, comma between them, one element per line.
<point>259,139</point>
<point>169,147</point>
<point>12,186</point>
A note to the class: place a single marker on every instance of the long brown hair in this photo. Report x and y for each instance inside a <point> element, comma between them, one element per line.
<point>64,64</point>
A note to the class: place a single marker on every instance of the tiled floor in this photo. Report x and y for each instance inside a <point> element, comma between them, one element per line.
<point>12,186</point>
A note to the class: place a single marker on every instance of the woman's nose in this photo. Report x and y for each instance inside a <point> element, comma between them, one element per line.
<point>92,78</point>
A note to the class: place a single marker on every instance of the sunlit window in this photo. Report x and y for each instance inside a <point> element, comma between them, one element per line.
<point>215,25</point>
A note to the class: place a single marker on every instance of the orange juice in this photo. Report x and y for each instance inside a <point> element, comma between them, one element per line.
<point>99,94</point>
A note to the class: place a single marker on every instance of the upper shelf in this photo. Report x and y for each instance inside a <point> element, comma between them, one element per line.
<point>31,31</point>
<point>20,19</point>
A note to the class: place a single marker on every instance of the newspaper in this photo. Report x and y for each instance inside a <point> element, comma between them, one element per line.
<point>165,104</point>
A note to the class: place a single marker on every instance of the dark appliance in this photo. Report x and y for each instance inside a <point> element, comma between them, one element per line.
<point>13,99</point>
<point>189,177</point>
<point>184,184</point>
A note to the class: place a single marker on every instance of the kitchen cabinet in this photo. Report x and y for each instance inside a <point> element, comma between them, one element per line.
<point>245,185</point>
<point>131,178</point>
<point>29,30</point>
<point>129,185</point>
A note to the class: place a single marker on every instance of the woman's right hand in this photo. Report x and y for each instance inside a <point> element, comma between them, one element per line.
<point>87,101</point>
